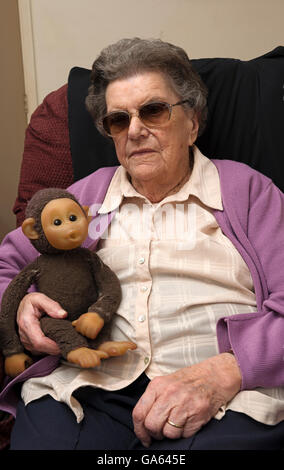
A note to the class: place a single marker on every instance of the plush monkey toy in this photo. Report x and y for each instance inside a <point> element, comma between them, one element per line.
<point>75,277</point>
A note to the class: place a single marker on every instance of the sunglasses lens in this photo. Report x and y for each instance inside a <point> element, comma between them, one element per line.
<point>151,114</point>
<point>115,123</point>
<point>154,113</point>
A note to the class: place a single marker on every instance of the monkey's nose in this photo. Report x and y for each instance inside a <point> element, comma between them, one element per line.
<point>73,235</point>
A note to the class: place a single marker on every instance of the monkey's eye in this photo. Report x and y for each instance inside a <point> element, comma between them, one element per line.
<point>72,218</point>
<point>57,222</point>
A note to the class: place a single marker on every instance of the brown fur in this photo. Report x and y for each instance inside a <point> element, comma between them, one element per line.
<point>77,279</point>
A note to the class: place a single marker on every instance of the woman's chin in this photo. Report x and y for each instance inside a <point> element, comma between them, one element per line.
<point>144,171</point>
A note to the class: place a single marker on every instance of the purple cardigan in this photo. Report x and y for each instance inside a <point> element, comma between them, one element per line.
<point>253,219</point>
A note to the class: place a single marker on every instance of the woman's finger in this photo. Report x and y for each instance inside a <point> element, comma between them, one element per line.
<point>28,317</point>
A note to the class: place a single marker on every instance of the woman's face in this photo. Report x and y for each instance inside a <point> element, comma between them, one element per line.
<point>152,154</point>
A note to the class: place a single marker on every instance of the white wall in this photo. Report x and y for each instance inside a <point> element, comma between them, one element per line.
<point>12,118</point>
<point>67,33</point>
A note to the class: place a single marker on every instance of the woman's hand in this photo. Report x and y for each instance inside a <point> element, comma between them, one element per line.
<point>29,313</point>
<point>188,398</point>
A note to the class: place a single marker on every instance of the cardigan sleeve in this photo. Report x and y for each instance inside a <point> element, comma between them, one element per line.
<point>16,251</point>
<point>257,339</point>
<point>46,159</point>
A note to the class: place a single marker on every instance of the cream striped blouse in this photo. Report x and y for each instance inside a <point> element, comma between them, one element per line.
<point>179,274</point>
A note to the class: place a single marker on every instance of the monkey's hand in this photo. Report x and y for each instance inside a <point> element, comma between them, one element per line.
<point>89,324</point>
<point>116,348</point>
<point>86,357</point>
<point>16,364</point>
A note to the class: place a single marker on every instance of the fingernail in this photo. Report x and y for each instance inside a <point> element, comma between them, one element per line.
<point>61,312</point>
<point>145,443</point>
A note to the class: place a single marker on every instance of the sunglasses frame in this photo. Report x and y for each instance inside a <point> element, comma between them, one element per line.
<point>137,114</point>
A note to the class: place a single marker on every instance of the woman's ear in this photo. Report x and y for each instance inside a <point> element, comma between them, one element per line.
<point>29,230</point>
<point>194,127</point>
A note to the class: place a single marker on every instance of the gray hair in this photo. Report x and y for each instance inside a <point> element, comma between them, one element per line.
<point>128,57</point>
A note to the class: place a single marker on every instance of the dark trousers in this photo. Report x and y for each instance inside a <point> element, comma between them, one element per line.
<point>47,424</point>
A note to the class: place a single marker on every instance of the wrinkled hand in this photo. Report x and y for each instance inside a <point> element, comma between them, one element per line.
<point>189,398</point>
<point>28,316</point>
<point>89,324</point>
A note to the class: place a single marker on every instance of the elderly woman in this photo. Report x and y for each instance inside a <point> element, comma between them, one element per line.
<point>188,239</point>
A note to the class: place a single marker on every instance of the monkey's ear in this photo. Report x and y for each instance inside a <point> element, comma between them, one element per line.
<point>29,230</point>
<point>86,210</point>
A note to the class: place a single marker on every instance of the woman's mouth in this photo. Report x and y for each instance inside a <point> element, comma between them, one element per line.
<point>141,152</point>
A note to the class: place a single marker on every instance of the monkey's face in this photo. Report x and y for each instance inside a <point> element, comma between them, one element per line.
<point>64,223</point>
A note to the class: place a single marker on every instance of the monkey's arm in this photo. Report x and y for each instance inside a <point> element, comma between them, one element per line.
<point>109,297</point>
<point>17,289</point>
<point>101,312</point>
<point>109,290</point>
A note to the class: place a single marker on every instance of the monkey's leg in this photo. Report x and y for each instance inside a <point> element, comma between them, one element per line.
<point>112,348</point>
<point>17,363</point>
<point>63,333</point>
<point>16,360</point>
<point>116,348</point>
<point>86,357</point>
<point>73,346</point>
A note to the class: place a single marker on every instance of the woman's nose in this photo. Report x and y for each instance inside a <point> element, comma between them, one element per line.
<point>136,128</point>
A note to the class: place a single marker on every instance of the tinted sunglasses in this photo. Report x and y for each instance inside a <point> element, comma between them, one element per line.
<point>153,114</point>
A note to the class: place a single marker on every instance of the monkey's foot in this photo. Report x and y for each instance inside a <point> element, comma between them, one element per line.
<point>17,363</point>
<point>86,357</point>
<point>117,348</point>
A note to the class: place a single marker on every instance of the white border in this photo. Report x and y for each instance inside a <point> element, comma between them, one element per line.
<point>28,53</point>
